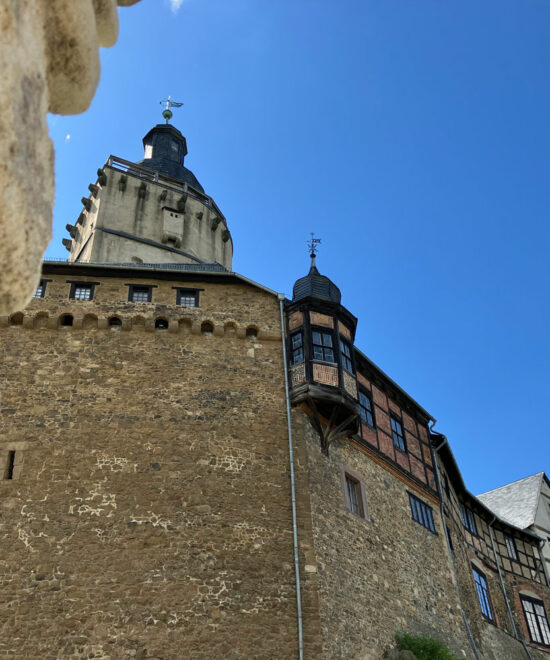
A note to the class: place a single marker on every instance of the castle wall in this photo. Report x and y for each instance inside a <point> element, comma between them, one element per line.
<point>381,575</point>
<point>149,511</point>
<point>183,221</point>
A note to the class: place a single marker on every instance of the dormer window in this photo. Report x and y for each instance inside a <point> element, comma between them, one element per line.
<point>322,346</point>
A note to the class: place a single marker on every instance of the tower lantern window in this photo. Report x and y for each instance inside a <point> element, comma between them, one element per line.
<point>322,346</point>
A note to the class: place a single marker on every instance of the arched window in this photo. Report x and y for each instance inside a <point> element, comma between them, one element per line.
<point>161,324</point>
<point>114,322</point>
<point>66,320</point>
<point>207,328</point>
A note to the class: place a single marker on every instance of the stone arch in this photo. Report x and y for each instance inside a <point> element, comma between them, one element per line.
<point>230,329</point>
<point>138,322</point>
<point>252,331</point>
<point>115,322</point>
<point>207,328</point>
<point>16,319</point>
<point>161,323</point>
<point>185,325</point>
<point>90,322</point>
<point>41,320</point>
<point>65,321</point>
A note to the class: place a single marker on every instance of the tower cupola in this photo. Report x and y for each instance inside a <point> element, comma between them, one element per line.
<point>316,285</point>
<point>165,151</point>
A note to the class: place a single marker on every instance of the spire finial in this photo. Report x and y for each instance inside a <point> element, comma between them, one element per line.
<point>313,246</point>
<point>167,113</point>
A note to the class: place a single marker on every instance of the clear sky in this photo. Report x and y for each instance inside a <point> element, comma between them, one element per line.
<point>412,137</point>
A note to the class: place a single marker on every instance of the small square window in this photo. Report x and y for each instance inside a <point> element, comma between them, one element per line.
<point>187,297</point>
<point>483,594</point>
<point>397,433</point>
<point>422,513</point>
<point>345,352</point>
<point>296,348</point>
<point>366,408</point>
<point>82,290</point>
<point>322,346</point>
<point>537,621</point>
<point>140,293</point>
<point>511,547</point>
<point>356,502</point>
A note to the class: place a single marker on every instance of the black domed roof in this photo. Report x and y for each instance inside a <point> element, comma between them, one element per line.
<point>165,150</point>
<point>316,285</point>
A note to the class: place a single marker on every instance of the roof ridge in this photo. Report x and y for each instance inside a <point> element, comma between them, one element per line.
<point>511,483</point>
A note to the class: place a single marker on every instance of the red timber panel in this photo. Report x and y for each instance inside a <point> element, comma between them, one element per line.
<point>386,445</point>
<point>379,398</point>
<point>417,469</point>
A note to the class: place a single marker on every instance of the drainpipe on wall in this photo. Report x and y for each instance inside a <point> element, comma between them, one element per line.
<point>281,297</point>
<point>508,607</point>
<point>452,561</point>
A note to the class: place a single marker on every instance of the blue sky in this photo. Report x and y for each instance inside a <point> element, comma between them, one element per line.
<point>412,137</point>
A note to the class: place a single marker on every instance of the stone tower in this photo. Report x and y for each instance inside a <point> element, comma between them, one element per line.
<point>152,211</point>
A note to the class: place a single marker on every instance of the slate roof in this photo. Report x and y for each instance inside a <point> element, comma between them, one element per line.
<point>316,285</point>
<point>517,502</point>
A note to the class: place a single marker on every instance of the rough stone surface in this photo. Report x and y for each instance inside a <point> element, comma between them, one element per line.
<point>150,516</point>
<point>49,62</point>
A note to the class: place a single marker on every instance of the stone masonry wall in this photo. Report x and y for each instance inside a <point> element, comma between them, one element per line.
<point>149,512</point>
<point>381,575</point>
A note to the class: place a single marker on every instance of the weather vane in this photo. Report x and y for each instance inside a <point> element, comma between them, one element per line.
<point>313,245</point>
<point>168,103</point>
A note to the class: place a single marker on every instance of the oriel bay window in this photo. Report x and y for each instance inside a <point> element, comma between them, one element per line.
<point>296,348</point>
<point>345,352</point>
<point>322,345</point>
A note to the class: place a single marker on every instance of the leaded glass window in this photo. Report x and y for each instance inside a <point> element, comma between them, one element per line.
<point>82,292</point>
<point>537,622</point>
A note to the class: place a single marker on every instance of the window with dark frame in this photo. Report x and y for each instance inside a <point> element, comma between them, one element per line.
<point>468,519</point>
<point>345,352</point>
<point>187,297</point>
<point>296,347</point>
<point>140,293</point>
<point>322,345</point>
<point>81,291</point>
<point>446,487</point>
<point>397,433</point>
<point>483,594</point>
<point>40,290</point>
<point>421,512</point>
<point>537,621</point>
<point>511,547</point>
<point>354,496</point>
<point>366,408</point>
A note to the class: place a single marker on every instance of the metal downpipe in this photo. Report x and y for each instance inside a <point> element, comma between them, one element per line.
<point>502,586</point>
<point>452,561</point>
<point>281,298</point>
